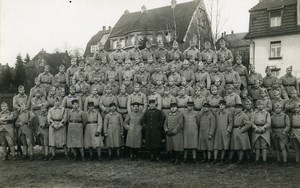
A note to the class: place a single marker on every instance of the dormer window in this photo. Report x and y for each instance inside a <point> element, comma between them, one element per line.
<point>275,18</point>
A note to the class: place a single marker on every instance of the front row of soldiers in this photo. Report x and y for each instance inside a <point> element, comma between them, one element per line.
<point>215,130</point>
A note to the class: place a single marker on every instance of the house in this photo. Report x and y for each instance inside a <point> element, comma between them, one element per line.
<point>101,36</point>
<point>181,22</point>
<point>238,45</point>
<point>36,65</point>
<point>274,33</point>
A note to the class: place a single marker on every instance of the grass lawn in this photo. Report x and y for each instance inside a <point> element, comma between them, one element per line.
<point>126,173</point>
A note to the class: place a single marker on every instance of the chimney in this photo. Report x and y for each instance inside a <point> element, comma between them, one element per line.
<point>298,12</point>
<point>232,31</point>
<point>109,27</point>
<point>224,33</point>
<point>126,11</point>
<point>143,9</point>
<point>103,28</point>
<point>173,4</point>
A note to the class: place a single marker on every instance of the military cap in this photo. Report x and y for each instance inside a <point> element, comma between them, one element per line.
<point>20,87</point>
<point>289,68</point>
<point>239,106</point>
<point>201,64</point>
<point>228,64</point>
<point>61,66</point>
<point>91,103</point>
<point>248,101</point>
<point>151,86</point>
<point>75,101</point>
<point>148,42</point>
<point>3,103</point>
<point>135,104</point>
<point>174,104</point>
<point>222,102</point>
<point>267,68</point>
<point>112,104</point>
<point>222,41</point>
<point>259,102</point>
<point>206,105</point>
<point>214,65</point>
<point>278,105</point>
<point>151,101</point>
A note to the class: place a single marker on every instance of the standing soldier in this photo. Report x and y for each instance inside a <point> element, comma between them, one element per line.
<point>173,51</point>
<point>241,70</point>
<point>71,71</point>
<point>154,120</point>
<point>76,122</point>
<point>135,52</point>
<point>223,50</point>
<point>208,53</point>
<point>25,132</point>
<point>113,73</point>
<point>289,82</point>
<point>173,88</point>
<point>137,96</point>
<point>261,123</point>
<point>96,73</point>
<point>252,77</point>
<point>230,75</point>
<point>93,130</point>
<point>19,99</point>
<point>61,76</point>
<point>173,128</point>
<point>34,89</point>
<point>122,101</point>
<point>141,75</point>
<point>192,51</point>
<point>269,79</point>
<point>46,78</point>
<point>206,132</point>
<point>217,74</point>
<point>43,131</point>
<point>202,75</point>
<point>113,130</point>
<point>106,100</point>
<point>147,52</point>
<point>93,97</point>
<point>295,131</point>
<point>133,124</point>
<point>280,125</point>
<point>100,54</point>
<point>188,89</point>
<point>167,99</point>
<point>187,73</point>
<point>67,101</point>
<point>160,52</point>
<point>290,104</point>
<point>190,131</point>
<point>57,117</point>
<point>231,98</point>
<point>119,54</point>
<point>58,88</point>
<point>81,72</point>
<point>7,134</point>
<point>182,99</point>
<point>176,62</point>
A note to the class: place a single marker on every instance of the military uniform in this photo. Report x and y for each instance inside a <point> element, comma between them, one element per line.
<point>267,104</point>
<point>94,73</point>
<point>261,119</point>
<point>7,134</point>
<point>141,76</point>
<point>166,103</point>
<point>192,53</point>
<point>199,100</point>
<point>122,100</point>
<point>57,117</point>
<point>174,124</point>
<point>43,129</point>
<point>280,123</point>
<point>99,55</point>
<point>133,123</point>
<point>158,76</point>
<point>213,101</point>
<point>223,129</point>
<point>70,74</point>
<point>146,53</point>
<point>140,98</point>
<point>119,55</point>
<point>243,73</point>
<point>160,52</point>
<point>128,74</point>
<point>231,100</point>
<point>76,123</point>
<point>80,85</point>
<point>67,101</point>
<point>134,54</point>
<point>203,76</point>
<point>239,133</point>
<point>289,83</point>
<point>231,76</point>
<point>219,75</point>
<point>150,68</point>
<point>177,64</point>
<point>268,81</point>
<point>113,122</point>
<point>176,78</point>
<point>46,80</point>
<point>295,125</point>
<point>92,98</point>
<point>105,101</point>
<point>115,89</point>
<point>51,100</point>
<point>113,74</point>
<point>190,129</point>
<point>189,75</point>
<point>18,100</point>
<point>227,54</point>
<point>81,72</point>
<point>207,127</point>
<point>282,92</point>
<point>157,97</point>
<point>33,91</point>
<point>100,87</point>
<point>171,54</point>
<point>145,89</point>
<point>93,125</point>
<point>182,102</point>
<point>251,79</point>
<point>174,90</point>
<point>62,79</point>
<point>208,53</point>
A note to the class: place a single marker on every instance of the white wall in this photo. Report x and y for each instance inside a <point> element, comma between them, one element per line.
<point>290,51</point>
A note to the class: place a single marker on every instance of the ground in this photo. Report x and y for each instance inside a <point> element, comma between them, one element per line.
<point>142,173</point>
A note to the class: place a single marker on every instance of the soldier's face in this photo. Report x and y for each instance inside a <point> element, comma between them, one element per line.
<point>144,82</point>
<point>276,95</point>
<point>81,79</point>
<point>268,72</point>
<point>222,45</point>
<point>205,108</point>
<point>167,92</point>
<point>119,47</point>
<point>294,95</point>
<point>263,94</point>
<point>75,105</point>
<point>175,46</point>
<point>207,46</point>
<point>72,91</point>
<point>136,46</point>
<point>81,66</point>
<point>172,69</point>
<point>238,110</point>
<point>94,91</point>
<point>38,95</point>
<point>37,82</point>
<point>229,68</point>
<point>248,106</point>
<point>202,85</point>
<point>297,109</point>
<point>173,109</point>
<point>100,47</point>
<point>252,69</point>
<point>47,69</point>
<point>108,90</point>
<point>43,109</point>
<point>200,67</point>
<point>182,92</point>
<point>214,91</point>
<point>142,68</point>
<point>171,82</point>
<point>217,82</point>
<point>239,61</point>
<point>4,107</point>
<point>278,110</point>
<point>236,85</point>
<point>208,60</point>
<point>260,106</point>
<point>150,60</point>
<point>183,82</point>
<point>152,105</point>
<point>97,67</point>
<point>90,108</point>
<point>190,107</point>
<point>159,82</point>
<point>127,82</point>
<point>123,90</point>
<point>176,56</point>
<point>289,71</point>
<point>135,108</point>
<point>215,69</point>
<point>222,58</point>
<point>157,68</point>
<point>163,60</point>
<point>136,89</point>
<point>62,69</point>
<point>73,62</point>
<point>198,92</point>
<point>152,90</point>
<point>185,65</point>
<point>22,91</point>
<point>244,93</point>
<point>56,103</point>
<point>222,106</point>
<point>127,64</point>
<point>148,46</point>
<point>192,44</point>
<point>52,92</point>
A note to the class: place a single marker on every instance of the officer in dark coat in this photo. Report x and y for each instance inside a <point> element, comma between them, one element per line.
<point>154,121</point>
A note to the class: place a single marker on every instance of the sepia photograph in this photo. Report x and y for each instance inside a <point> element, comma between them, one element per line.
<point>149,93</point>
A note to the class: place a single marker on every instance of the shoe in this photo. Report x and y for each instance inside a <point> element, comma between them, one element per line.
<point>14,158</point>
<point>184,160</point>
<point>215,161</point>
<point>52,158</point>
<point>31,158</point>
<point>239,162</point>
<point>75,158</point>
<point>109,158</point>
<point>90,158</point>
<point>5,158</point>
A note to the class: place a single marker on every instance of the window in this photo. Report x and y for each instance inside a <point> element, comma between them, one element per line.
<point>114,44</point>
<point>275,49</point>
<point>169,37</point>
<point>159,38</point>
<point>150,37</point>
<point>132,40</point>
<point>275,18</point>
<point>93,48</point>
<point>122,42</point>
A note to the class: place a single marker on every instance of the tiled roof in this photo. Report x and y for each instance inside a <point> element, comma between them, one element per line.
<point>94,40</point>
<point>268,4</point>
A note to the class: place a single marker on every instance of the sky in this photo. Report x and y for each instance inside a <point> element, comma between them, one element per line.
<point>32,25</point>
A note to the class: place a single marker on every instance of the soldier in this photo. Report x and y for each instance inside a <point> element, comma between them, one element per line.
<point>137,96</point>
<point>128,86</point>
<point>223,131</point>
<point>295,131</point>
<point>220,89</point>
<point>172,53</point>
<point>142,74</point>
<point>265,100</point>
<point>199,99</point>
<point>182,99</point>
<point>173,88</point>
<point>135,52</point>
<point>127,72</point>
<point>119,54</point>
<point>98,85</point>
<point>240,141</point>
<point>223,50</point>
<point>104,65</point>
<point>236,87</point>
<point>144,87</point>
<point>253,76</point>
<point>160,51</point>
<point>214,99</point>
<point>81,72</point>
<point>58,88</point>
<point>147,52</point>
<point>113,130</point>
<point>122,100</point>
<point>88,64</point>
<point>167,99</point>
<point>187,73</point>
<point>43,131</point>
<point>34,89</point>
<point>261,123</point>
<point>174,75</point>
<point>177,62</point>
<point>113,73</point>
<point>150,65</point>
<point>192,51</point>
<point>207,127</point>
<point>254,93</point>
<point>96,73</point>
<point>158,75</point>
<point>280,125</point>
<point>230,74</point>
<point>154,120</point>
<point>190,131</point>
<point>57,117</point>
<point>208,53</point>
<point>100,54</point>
<point>159,88</point>
<point>106,100</point>
<point>51,97</point>
<point>19,99</point>
<point>268,80</point>
<point>279,88</point>
<point>93,97</point>
<point>7,134</point>
<point>164,65</point>
<point>193,64</point>
<point>114,85</point>
<point>76,123</point>
<point>71,71</point>
<point>173,128</point>
<point>241,70</point>
<point>188,89</point>
<point>221,63</point>
<point>81,83</point>
<point>155,96</point>
<point>231,98</point>
<point>61,76</point>
<point>67,101</point>
<point>202,75</point>
<point>290,104</point>
<point>133,124</point>
<point>289,82</point>
<point>217,74</point>
<point>202,87</point>
<point>46,78</point>
<point>93,130</point>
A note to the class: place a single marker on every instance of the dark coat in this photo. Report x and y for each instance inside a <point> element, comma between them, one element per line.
<point>154,121</point>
